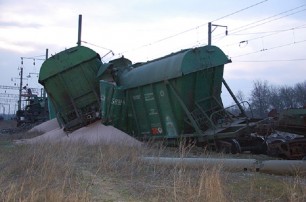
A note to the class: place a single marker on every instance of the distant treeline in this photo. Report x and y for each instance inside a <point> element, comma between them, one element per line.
<point>264,97</point>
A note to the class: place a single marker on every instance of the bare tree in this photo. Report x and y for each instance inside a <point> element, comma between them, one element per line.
<point>260,97</point>
<point>300,94</point>
<point>240,96</point>
<point>275,101</point>
<point>287,97</point>
<point>265,97</point>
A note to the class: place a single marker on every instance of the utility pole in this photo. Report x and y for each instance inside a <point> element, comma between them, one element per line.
<point>211,31</point>
<point>20,87</point>
<point>44,91</point>
<point>47,53</point>
<point>209,34</point>
<point>79,30</point>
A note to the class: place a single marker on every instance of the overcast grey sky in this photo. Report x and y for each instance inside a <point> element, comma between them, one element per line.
<point>142,30</point>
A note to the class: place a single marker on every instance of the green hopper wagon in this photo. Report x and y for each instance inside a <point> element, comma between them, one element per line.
<point>69,78</point>
<point>177,96</point>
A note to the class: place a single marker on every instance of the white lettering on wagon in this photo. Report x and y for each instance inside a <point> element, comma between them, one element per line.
<point>136,97</point>
<point>116,101</point>
<point>153,112</point>
<point>149,97</point>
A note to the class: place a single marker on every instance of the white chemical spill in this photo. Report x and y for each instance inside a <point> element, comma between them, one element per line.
<point>94,133</point>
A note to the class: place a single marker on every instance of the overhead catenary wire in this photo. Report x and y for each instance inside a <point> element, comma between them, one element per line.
<point>96,45</point>
<point>31,58</point>
<point>248,26</point>
<point>191,29</point>
<point>264,36</point>
<point>36,57</point>
<point>271,48</point>
<point>278,60</point>
<point>39,56</point>
<point>239,29</point>
<point>273,31</point>
<point>270,21</point>
<point>243,9</point>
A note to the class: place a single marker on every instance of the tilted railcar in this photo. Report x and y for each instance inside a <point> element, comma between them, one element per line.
<point>177,96</point>
<point>70,80</point>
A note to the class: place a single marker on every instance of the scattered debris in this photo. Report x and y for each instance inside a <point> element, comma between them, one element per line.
<point>286,145</point>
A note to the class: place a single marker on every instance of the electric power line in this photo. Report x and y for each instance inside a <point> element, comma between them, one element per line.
<point>271,20</point>
<point>274,31</point>
<point>239,28</point>
<point>284,60</point>
<point>9,95</point>
<point>264,36</point>
<point>267,49</point>
<point>96,45</point>
<point>8,100</point>
<point>246,8</point>
<point>17,88</point>
<point>39,56</point>
<point>191,29</point>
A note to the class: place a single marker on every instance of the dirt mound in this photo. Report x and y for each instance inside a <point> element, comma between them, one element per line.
<point>46,126</point>
<point>95,133</point>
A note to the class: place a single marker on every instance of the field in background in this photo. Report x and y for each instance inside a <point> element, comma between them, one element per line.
<point>79,172</point>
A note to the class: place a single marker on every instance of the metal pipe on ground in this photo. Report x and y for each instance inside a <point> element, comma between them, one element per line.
<point>267,166</point>
<point>284,167</point>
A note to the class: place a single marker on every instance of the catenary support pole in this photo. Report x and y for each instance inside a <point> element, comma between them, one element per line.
<point>20,88</point>
<point>80,30</point>
<point>209,33</point>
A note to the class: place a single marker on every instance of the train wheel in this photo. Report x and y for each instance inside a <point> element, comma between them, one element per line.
<point>228,146</point>
<point>236,148</point>
<point>261,146</point>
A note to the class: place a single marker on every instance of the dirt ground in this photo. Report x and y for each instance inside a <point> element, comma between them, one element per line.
<point>6,124</point>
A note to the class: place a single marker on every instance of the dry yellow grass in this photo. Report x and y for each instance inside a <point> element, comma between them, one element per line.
<point>78,172</point>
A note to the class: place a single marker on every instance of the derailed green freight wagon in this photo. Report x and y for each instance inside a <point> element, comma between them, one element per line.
<point>175,96</point>
<point>162,93</point>
<point>70,79</point>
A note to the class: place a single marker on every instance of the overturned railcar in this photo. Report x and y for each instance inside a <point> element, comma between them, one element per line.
<point>70,80</point>
<point>177,96</point>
